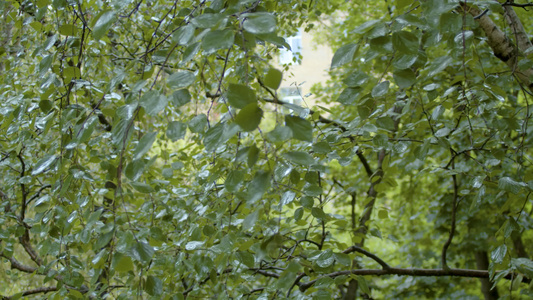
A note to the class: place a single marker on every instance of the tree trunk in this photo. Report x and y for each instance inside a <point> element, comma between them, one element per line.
<point>482,263</point>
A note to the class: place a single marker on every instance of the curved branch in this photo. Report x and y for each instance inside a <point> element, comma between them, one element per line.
<point>383,264</point>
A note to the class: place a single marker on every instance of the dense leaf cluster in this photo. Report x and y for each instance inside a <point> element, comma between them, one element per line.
<point>145,151</point>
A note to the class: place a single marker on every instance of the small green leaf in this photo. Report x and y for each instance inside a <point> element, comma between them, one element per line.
<point>153,102</point>
<point>509,185</point>
<point>301,129</point>
<point>239,95</point>
<point>318,213</point>
<point>207,20</point>
<point>134,169</point>
<point>260,23</point>
<point>279,134</point>
<point>68,30</point>
<point>153,286</point>
<point>381,89</point>
<point>343,55</point>
<point>102,25</point>
<point>142,187</point>
<point>181,97</point>
<point>325,259</point>
<point>121,263</point>
<point>349,95</point>
<point>404,78</point>
<point>217,39</point>
<point>233,181</point>
<point>405,42</point>
<point>258,186</point>
<point>198,123</point>
<point>43,164</point>
<point>442,132</point>
<point>250,220</point>
<point>273,78</point>
<point>181,79</point>
<point>142,252</point>
<point>145,143</point>
<point>363,284</point>
<point>213,137</point>
<point>193,245</point>
<point>300,158</point>
<point>438,65</point>
<point>176,130</point>
<point>356,79</point>
<point>183,35</point>
<point>249,117</point>
<point>497,255</point>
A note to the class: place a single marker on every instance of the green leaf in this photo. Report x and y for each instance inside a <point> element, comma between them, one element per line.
<point>381,89</point>
<point>253,156</point>
<point>121,263</point>
<point>181,79</point>
<point>363,284</point>
<point>404,61</point>
<point>300,158</point>
<point>145,143</point>
<point>438,65</point>
<point>181,97</point>
<point>404,78</point>
<point>405,42</point>
<point>183,35</point>
<point>193,245</point>
<point>176,130</point>
<point>497,255</point>
<point>134,170</point>
<point>208,20</point>
<point>366,26</point>
<point>250,220</point>
<point>142,252</point>
<point>325,259</point>
<point>102,25</point>
<point>43,164</point>
<point>259,23</point>
<point>301,128</point>
<point>509,185</point>
<point>45,64</point>
<point>142,187</point>
<point>217,39</point>
<point>356,79</point>
<point>153,286</point>
<point>153,102</point>
<point>258,186</point>
<point>240,96</point>
<point>213,137</point>
<point>279,134</point>
<point>68,30</point>
<point>349,96</point>
<point>246,258</point>
<point>198,123</point>
<point>343,55</point>
<point>249,117</point>
<point>273,78</point>
<point>233,181</point>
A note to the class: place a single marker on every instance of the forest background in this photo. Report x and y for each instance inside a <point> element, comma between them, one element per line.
<point>145,152</point>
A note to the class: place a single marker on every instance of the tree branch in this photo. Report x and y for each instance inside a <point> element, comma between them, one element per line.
<point>409,272</point>
<point>40,290</point>
<point>383,264</point>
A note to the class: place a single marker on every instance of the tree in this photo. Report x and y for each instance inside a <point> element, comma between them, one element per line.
<point>145,152</point>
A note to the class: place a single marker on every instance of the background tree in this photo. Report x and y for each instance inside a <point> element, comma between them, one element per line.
<point>145,151</point>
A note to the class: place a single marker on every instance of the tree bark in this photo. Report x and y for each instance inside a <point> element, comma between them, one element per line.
<point>482,263</point>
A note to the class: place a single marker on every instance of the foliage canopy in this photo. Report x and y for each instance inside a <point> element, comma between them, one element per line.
<point>145,152</point>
